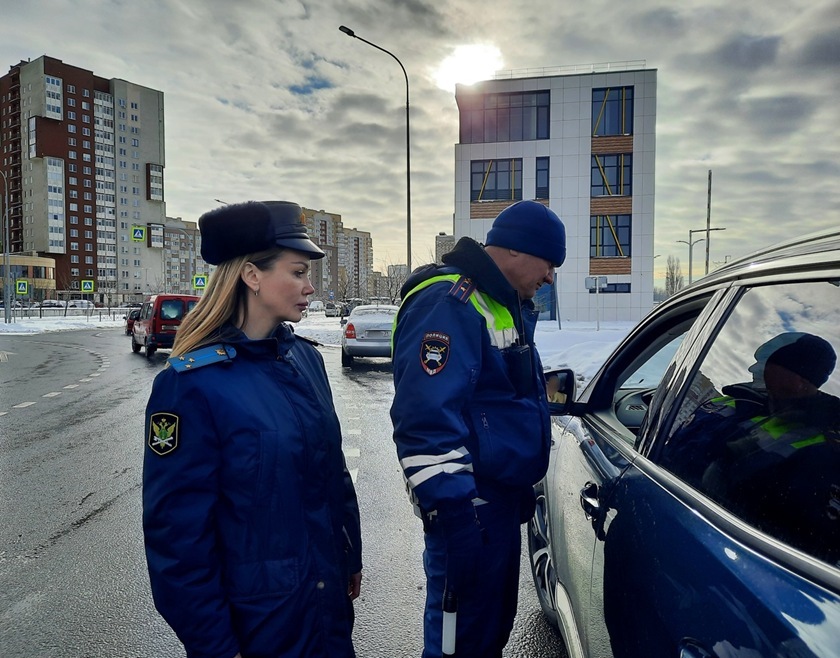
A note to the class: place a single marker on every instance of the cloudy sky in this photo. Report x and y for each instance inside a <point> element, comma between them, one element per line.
<point>267,99</point>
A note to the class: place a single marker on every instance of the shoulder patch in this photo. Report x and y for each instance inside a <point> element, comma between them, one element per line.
<point>462,289</point>
<point>203,356</point>
<point>164,432</point>
<point>434,352</point>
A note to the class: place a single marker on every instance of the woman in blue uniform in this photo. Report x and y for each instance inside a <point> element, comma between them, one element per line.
<point>250,517</point>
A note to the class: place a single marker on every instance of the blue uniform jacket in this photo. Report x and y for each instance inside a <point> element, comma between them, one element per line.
<point>250,516</point>
<point>464,432</point>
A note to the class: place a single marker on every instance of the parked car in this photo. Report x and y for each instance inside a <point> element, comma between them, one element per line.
<point>130,317</point>
<point>316,305</point>
<point>690,508</point>
<point>159,319</point>
<point>367,332</point>
<point>80,303</point>
<point>53,303</point>
<point>332,310</point>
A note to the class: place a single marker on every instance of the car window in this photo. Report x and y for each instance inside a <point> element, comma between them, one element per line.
<point>758,429</point>
<point>374,311</point>
<point>171,309</point>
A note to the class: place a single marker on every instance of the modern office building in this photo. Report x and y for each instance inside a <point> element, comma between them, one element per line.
<point>584,144</point>
<point>83,158</point>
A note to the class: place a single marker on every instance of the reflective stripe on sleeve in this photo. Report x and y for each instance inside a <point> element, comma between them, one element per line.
<point>421,476</point>
<point>429,460</point>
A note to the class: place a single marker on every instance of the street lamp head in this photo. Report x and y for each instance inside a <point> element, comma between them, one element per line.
<point>347,30</point>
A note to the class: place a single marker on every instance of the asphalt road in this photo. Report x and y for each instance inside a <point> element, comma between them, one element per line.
<point>73,580</point>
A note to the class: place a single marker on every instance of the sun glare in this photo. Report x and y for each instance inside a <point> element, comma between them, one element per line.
<point>468,64</point>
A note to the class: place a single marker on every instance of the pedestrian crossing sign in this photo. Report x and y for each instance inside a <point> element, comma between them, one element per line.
<point>199,282</point>
<point>87,285</point>
<point>138,233</point>
<point>22,287</point>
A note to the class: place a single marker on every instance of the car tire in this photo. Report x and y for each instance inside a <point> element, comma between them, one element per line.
<point>542,564</point>
<point>150,351</point>
<point>135,346</point>
<point>346,359</point>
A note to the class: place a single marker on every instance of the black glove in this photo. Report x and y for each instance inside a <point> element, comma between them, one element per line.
<point>464,538</point>
<point>527,504</point>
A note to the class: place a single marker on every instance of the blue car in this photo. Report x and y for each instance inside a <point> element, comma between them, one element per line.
<point>692,503</point>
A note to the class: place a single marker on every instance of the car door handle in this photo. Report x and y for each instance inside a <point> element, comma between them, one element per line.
<point>589,500</point>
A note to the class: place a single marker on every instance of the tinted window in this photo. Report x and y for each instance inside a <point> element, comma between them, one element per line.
<point>759,428</point>
<point>171,309</point>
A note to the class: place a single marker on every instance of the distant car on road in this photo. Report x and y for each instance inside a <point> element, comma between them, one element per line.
<point>367,332</point>
<point>159,319</point>
<point>316,305</point>
<point>692,501</point>
<point>53,303</point>
<point>332,310</point>
<point>130,317</point>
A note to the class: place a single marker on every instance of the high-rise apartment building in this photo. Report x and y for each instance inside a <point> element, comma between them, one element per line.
<point>347,269</point>
<point>584,144</point>
<point>83,157</point>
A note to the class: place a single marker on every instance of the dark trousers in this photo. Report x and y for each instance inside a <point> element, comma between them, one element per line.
<point>487,607</point>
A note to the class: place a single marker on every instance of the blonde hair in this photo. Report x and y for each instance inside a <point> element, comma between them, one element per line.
<point>223,301</point>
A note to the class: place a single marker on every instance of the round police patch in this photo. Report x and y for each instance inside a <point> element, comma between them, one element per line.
<point>434,352</point>
<point>163,433</point>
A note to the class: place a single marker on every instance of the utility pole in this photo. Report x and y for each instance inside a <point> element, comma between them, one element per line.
<point>708,218</point>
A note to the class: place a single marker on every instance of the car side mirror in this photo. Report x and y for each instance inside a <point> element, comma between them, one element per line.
<point>343,321</point>
<point>560,390</point>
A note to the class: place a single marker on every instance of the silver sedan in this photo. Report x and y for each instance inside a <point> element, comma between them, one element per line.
<point>367,332</point>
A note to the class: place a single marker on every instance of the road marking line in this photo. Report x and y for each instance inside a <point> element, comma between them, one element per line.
<point>354,432</point>
<point>3,413</point>
<point>22,405</point>
<point>51,395</point>
<point>352,452</point>
<point>72,386</point>
<point>96,374</point>
<point>354,473</point>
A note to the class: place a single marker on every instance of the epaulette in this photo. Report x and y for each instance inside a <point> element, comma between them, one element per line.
<point>203,356</point>
<point>462,289</point>
<point>311,341</point>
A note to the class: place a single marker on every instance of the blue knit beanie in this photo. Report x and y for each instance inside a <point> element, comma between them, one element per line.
<point>531,228</point>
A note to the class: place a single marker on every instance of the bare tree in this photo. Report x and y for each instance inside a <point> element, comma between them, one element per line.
<point>673,276</point>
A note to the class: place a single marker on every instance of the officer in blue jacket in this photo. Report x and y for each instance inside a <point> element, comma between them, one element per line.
<point>251,521</point>
<point>471,422</point>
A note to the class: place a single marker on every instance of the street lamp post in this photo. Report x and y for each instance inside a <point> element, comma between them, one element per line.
<point>690,251</point>
<point>351,33</point>
<point>7,268</point>
<point>691,244</point>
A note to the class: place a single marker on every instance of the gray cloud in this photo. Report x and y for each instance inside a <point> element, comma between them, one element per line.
<point>267,98</point>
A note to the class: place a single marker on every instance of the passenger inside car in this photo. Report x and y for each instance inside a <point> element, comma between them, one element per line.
<point>769,450</point>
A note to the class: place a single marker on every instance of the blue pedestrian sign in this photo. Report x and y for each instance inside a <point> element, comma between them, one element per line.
<point>199,282</point>
<point>87,285</point>
<point>138,233</point>
<point>21,286</point>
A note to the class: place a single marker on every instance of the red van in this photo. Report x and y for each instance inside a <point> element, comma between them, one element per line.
<point>160,317</point>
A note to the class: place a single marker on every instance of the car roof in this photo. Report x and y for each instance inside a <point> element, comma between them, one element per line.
<point>820,250</point>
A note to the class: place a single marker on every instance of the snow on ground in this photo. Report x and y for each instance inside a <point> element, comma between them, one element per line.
<point>577,345</point>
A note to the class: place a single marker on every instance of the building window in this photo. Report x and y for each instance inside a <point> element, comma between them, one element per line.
<point>496,180</point>
<point>512,117</point>
<point>542,178</point>
<point>612,288</point>
<point>612,175</point>
<point>612,111</point>
<point>609,235</point>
